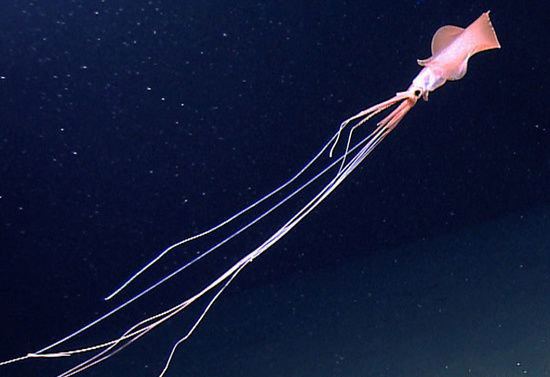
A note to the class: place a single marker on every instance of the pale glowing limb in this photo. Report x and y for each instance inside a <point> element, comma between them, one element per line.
<point>367,114</point>
<point>137,331</point>
<point>221,224</point>
<point>42,353</point>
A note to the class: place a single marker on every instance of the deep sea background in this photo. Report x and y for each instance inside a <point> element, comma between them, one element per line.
<point>126,126</point>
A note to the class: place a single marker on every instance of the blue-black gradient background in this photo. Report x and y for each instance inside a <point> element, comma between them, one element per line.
<point>128,125</point>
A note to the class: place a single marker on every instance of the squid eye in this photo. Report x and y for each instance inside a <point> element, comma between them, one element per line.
<point>417,92</point>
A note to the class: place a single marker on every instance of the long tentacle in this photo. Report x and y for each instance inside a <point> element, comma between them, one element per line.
<point>367,114</point>
<point>132,334</point>
<point>379,134</point>
<point>223,223</point>
<point>42,353</point>
<point>137,331</point>
<point>393,119</point>
<point>172,247</point>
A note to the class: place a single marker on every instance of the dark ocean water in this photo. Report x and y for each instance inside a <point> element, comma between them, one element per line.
<point>129,125</point>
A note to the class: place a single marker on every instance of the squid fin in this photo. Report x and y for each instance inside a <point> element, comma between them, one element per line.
<point>444,36</point>
<point>482,33</point>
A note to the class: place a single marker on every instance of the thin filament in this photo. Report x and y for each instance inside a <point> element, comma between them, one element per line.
<point>179,270</point>
<point>137,331</point>
<point>221,224</point>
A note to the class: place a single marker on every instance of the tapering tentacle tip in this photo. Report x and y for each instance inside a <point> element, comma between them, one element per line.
<point>112,295</point>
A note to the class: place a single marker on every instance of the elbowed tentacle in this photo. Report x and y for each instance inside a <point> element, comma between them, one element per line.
<point>42,352</point>
<point>138,330</point>
<point>223,223</point>
<point>393,119</point>
<point>133,332</point>
<point>367,114</point>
